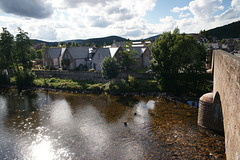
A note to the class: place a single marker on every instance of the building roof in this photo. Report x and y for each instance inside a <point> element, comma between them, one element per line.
<point>54,52</point>
<point>79,52</point>
<point>113,51</point>
<point>105,52</point>
<point>139,50</point>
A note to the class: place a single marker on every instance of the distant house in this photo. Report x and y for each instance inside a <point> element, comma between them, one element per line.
<point>79,56</point>
<point>84,58</point>
<point>101,54</point>
<point>143,57</point>
<point>214,45</point>
<point>53,56</point>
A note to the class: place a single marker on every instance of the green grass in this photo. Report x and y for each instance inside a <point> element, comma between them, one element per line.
<point>122,86</point>
<point>131,85</point>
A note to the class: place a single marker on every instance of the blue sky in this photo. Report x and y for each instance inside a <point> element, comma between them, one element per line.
<point>57,20</point>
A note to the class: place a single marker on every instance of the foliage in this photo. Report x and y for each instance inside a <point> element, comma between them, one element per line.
<point>95,87</point>
<point>110,68</point>
<point>227,31</point>
<point>17,55</point>
<point>91,70</point>
<point>132,81</point>
<point>175,55</point>
<point>128,56</point>
<point>100,41</point>
<point>24,78</point>
<point>118,87</point>
<point>23,50</point>
<point>59,45</point>
<point>6,49</point>
<point>203,33</point>
<point>73,44</point>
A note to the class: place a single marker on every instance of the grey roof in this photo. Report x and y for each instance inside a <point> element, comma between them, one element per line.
<point>54,52</point>
<point>108,51</point>
<point>105,52</point>
<point>79,52</point>
<point>139,50</point>
<point>119,44</point>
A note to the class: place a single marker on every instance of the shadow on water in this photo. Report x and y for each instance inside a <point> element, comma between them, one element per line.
<point>129,101</point>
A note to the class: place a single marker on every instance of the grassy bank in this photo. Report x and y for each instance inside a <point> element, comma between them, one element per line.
<point>131,85</point>
<point>123,86</point>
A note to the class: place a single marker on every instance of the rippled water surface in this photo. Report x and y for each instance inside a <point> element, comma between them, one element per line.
<point>51,125</point>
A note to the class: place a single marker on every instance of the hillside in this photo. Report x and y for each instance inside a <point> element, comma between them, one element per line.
<point>228,31</point>
<point>102,41</point>
<point>96,41</point>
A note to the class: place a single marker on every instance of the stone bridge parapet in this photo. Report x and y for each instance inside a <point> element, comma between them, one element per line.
<point>223,104</point>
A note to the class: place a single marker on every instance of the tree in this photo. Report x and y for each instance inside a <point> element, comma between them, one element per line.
<point>6,49</point>
<point>177,58</point>
<point>23,50</point>
<point>64,45</point>
<point>59,45</point>
<point>204,33</point>
<point>110,68</point>
<point>128,56</point>
<point>73,44</point>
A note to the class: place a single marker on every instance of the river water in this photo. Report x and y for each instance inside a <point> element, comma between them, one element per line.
<point>43,125</point>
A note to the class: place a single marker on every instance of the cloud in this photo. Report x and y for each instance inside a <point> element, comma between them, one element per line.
<point>46,32</point>
<point>232,13</point>
<point>77,3</point>
<point>177,9</point>
<point>97,21</point>
<point>205,9</point>
<point>27,8</point>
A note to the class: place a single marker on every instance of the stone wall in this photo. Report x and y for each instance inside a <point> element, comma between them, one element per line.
<point>83,75</point>
<point>210,113</point>
<point>224,101</point>
<point>226,91</point>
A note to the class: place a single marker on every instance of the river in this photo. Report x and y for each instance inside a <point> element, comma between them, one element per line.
<point>44,125</point>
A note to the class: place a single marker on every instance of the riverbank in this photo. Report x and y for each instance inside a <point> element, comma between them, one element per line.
<point>128,87</point>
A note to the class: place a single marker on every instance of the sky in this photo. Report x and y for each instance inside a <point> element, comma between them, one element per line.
<point>58,20</point>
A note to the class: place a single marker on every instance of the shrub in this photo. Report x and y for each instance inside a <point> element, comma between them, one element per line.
<point>132,81</point>
<point>24,78</point>
<point>91,70</point>
<point>119,87</point>
<point>53,80</point>
<point>96,87</point>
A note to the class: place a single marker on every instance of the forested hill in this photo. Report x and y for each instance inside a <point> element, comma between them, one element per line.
<point>103,41</point>
<point>228,31</point>
<point>96,41</point>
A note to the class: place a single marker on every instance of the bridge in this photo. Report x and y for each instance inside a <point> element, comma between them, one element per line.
<point>220,110</point>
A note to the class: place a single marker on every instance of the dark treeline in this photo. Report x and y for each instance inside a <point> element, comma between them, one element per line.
<point>228,31</point>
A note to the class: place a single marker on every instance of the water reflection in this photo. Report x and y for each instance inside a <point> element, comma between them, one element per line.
<point>49,125</point>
